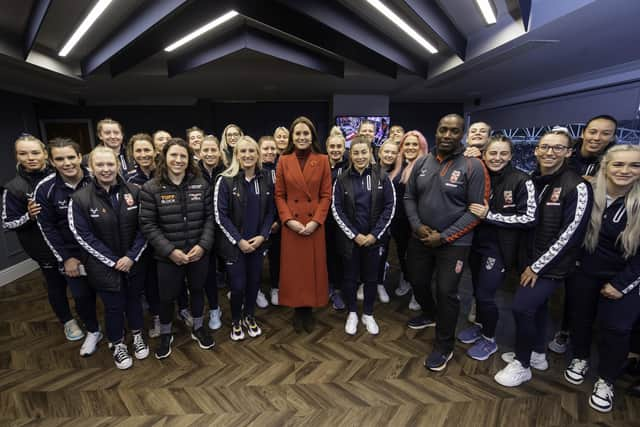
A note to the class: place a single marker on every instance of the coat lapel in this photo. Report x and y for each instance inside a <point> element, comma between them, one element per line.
<point>299,173</point>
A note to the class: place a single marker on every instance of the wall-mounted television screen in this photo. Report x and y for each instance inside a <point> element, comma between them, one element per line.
<point>350,125</point>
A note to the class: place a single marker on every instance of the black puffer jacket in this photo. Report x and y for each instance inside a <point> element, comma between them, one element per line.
<point>176,216</point>
<point>105,224</point>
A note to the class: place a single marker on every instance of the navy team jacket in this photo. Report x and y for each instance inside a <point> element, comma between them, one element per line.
<point>607,260</point>
<point>53,195</point>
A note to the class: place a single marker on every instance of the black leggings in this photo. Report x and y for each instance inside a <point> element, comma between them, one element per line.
<point>171,283</point>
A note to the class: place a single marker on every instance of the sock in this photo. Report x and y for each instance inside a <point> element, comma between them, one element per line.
<point>165,328</point>
<point>197,323</point>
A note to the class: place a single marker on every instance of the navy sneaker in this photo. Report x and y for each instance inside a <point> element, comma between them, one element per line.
<point>437,361</point>
<point>420,322</point>
<point>470,335</point>
<point>482,349</point>
<point>336,299</point>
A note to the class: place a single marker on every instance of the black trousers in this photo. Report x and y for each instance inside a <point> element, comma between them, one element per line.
<point>583,291</point>
<point>171,282</point>
<point>447,263</point>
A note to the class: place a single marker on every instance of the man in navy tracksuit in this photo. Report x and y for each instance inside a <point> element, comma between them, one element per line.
<point>564,206</point>
<point>53,194</point>
<point>437,197</point>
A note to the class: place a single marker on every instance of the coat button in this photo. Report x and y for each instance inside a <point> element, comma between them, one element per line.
<point>309,215</point>
<point>309,199</point>
<point>295,215</point>
<point>295,200</point>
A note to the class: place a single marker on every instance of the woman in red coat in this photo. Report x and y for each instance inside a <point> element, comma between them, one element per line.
<point>303,197</point>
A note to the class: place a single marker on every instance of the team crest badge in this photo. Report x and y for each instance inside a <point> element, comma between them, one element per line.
<point>555,195</point>
<point>508,197</point>
<point>490,263</point>
<point>455,175</point>
<point>128,198</point>
<point>459,265</point>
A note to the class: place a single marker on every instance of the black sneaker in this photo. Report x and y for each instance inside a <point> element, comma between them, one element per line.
<point>420,322</point>
<point>437,361</point>
<point>164,348</point>
<point>309,322</point>
<point>204,339</point>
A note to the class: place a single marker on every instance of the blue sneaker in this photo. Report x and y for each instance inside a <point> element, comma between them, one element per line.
<point>420,322</point>
<point>470,335</point>
<point>482,349</point>
<point>337,302</point>
<point>437,361</point>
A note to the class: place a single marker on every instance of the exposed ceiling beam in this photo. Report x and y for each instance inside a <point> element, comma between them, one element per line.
<point>303,28</point>
<point>134,29</point>
<point>36,18</point>
<point>194,14</point>
<point>344,21</point>
<point>525,11</point>
<point>434,17</point>
<point>245,37</point>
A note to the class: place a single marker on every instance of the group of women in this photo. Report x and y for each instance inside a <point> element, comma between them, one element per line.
<point>161,217</point>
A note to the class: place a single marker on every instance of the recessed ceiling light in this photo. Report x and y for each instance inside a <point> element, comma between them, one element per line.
<point>391,15</point>
<point>487,10</point>
<point>200,31</point>
<point>84,26</point>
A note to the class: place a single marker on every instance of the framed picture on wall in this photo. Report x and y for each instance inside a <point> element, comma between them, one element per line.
<point>79,130</point>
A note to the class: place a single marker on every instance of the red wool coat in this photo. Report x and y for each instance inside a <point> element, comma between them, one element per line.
<point>303,195</point>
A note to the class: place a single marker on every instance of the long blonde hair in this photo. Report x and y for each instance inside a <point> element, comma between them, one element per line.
<point>233,170</point>
<point>630,236</point>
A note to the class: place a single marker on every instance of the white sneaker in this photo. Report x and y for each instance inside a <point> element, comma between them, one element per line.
<point>513,374</point>
<point>371,325</point>
<point>154,331</point>
<point>261,300</point>
<point>602,396</point>
<point>538,360</point>
<point>72,330</point>
<point>274,296</point>
<point>351,326</point>
<point>413,304</point>
<point>403,287</point>
<point>121,356</point>
<point>90,344</point>
<point>140,348</point>
<point>360,293</point>
<point>215,318</point>
<point>383,296</point>
<point>576,371</point>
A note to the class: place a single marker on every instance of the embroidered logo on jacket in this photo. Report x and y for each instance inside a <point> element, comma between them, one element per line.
<point>459,265</point>
<point>128,198</point>
<point>555,197</point>
<point>93,213</point>
<point>167,198</point>
<point>455,175</point>
<point>508,199</point>
<point>195,197</point>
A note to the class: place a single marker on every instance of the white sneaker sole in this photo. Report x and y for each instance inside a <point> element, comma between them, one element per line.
<point>165,355</point>
<point>599,408</point>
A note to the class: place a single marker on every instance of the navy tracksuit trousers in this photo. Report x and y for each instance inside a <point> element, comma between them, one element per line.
<point>530,311</point>
<point>487,275</point>
<point>617,321</point>
<point>244,281</point>
<point>125,302</point>
<point>363,266</point>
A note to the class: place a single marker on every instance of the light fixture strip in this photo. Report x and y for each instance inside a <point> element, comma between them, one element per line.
<point>84,26</point>
<point>487,11</point>
<point>200,31</point>
<point>391,15</point>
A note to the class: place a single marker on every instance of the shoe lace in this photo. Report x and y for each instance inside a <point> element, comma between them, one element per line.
<point>603,389</point>
<point>578,365</point>
<point>120,352</point>
<point>138,343</point>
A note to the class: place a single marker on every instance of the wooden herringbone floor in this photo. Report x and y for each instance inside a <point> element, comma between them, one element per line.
<point>281,378</point>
